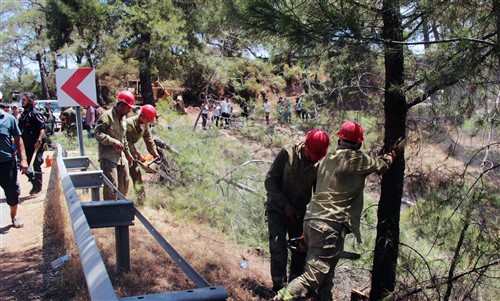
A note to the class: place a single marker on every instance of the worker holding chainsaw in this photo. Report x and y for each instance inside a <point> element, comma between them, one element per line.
<point>113,151</point>
<point>289,184</point>
<point>32,125</point>
<point>335,210</point>
<point>137,128</point>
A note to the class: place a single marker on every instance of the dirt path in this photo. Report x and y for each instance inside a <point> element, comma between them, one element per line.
<point>21,249</point>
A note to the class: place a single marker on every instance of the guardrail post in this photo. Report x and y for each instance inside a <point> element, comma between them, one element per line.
<point>95,194</point>
<point>122,249</point>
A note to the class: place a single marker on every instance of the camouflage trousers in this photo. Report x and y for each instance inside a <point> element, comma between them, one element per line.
<point>279,227</point>
<point>118,175</point>
<point>326,242</point>
<point>136,176</point>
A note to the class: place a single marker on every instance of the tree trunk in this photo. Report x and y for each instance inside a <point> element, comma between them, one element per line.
<point>492,117</point>
<point>88,55</point>
<point>387,241</point>
<point>146,88</point>
<point>145,69</point>
<point>43,72</point>
<point>55,63</point>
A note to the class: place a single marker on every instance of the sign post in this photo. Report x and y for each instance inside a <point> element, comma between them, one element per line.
<point>76,88</point>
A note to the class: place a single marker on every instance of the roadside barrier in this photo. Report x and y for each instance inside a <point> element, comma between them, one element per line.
<point>119,214</point>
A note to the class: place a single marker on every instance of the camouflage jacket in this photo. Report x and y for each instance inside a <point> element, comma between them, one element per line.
<point>134,132</point>
<point>290,180</point>
<point>111,128</point>
<point>341,181</point>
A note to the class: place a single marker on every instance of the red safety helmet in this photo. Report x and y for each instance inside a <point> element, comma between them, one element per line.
<point>351,131</point>
<point>126,97</point>
<point>149,111</point>
<point>317,142</point>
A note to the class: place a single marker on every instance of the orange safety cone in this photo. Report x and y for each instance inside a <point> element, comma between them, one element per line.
<point>48,161</point>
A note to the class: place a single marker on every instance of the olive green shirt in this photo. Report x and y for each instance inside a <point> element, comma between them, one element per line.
<point>340,185</point>
<point>290,179</point>
<point>69,115</point>
<point>111,128</point>
<point>134,132</point>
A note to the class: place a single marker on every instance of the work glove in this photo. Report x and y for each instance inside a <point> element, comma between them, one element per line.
<point>397,147</point>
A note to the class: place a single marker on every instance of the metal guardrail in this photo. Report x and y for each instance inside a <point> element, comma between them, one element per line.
<point>118,214</point>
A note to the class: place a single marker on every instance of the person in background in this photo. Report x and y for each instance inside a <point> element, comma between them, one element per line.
<point>335,210</point>
<point>244,108</point>
<point>305,107</point>
<point>50,120</point>
<point>9,133</point>
<point>179,105</point>
<point>90,121</point>
<point>5,107</point>
<point>267,109</point>
<point>287,108</point>
<point>289,185</point>
<point>280,106</point>
<point>98,112</point>
<point>113,151</point>
<point>217,112</point>
<point>68,121</point>
<point>15,111</point>
<point>251,106</point>
<point>204,115</point>
<point>298,107</point>
<point>32,125</point>
<point>224,106</point>
<point>137,128</point>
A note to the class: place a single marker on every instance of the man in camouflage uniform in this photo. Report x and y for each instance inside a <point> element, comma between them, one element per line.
<point>289,184</point>
<point>68,121</point>
<point>50,120</point>
<point>113,151</point>
<point>334,211</point>
<point>137,127</point>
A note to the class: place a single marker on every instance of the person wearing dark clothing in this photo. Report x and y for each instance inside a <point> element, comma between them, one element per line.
<point>32,125</point>
<point>50,120</point>
<point>244,109</point>
<point>289,185</point>
<point>10,139</point>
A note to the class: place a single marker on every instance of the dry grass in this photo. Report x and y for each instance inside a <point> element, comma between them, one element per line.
<point>58,239</point>
<point>152,270</point>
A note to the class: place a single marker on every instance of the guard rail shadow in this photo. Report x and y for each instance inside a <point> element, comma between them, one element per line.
<point>75,174</point>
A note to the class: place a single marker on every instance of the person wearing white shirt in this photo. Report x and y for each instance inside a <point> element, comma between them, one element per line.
<point>217,112</point>
<point>224,106</point>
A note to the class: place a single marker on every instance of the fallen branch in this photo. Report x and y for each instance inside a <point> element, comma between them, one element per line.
<point>456,277</point>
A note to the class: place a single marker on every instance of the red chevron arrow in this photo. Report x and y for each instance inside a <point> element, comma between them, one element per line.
<point>71,87</point>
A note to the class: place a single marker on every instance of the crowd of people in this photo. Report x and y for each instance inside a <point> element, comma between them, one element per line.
<point>314,193</point>
<point>218,113</point>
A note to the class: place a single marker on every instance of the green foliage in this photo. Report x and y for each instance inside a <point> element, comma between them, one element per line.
<point>208,163</point>
<point>28,82</point>
<point>433,228</point>
<point>59,24</point>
